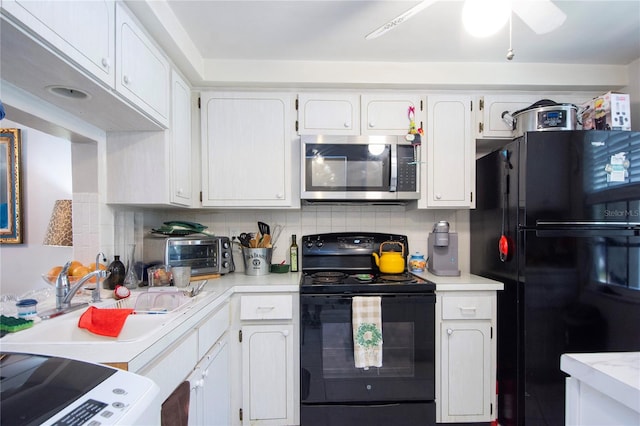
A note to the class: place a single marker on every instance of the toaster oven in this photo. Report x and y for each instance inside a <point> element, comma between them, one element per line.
<point>205,255</point>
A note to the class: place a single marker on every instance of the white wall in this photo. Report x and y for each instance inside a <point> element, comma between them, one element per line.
<point>634,93</point>
<point>46,177</point>
<point>416,224</point>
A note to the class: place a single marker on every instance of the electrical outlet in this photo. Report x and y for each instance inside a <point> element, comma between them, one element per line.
<point>234,233</point>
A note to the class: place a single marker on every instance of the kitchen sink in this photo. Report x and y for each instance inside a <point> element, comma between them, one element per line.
<point>65,330</point>
<point>155,313</point>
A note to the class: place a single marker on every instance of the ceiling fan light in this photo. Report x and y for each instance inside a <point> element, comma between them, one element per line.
<point>483,18</point>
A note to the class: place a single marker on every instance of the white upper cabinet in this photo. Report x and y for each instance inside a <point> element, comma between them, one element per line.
<point>389,114</point>
<point>181,143</point>
<point>328,114</point>
<point>354,114</point>
<point>143,73</point>
<point>489,122</point>
<point>448,154</point>
<point>83,31</point>
<point>154,168</point>
<point>248,149</point>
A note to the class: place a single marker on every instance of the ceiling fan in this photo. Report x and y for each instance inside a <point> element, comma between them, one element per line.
<point>542,16</point>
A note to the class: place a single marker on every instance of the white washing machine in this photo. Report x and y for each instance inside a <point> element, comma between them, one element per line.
<point>42,390</point>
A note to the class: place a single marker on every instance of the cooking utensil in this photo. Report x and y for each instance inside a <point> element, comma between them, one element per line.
<point>264,228</point>
<point>245,239</point>
<point>265,241</point>
<point>277,230</point>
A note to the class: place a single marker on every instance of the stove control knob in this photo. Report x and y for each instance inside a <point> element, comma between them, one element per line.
<point>319,243</point>
<point>309,244</point>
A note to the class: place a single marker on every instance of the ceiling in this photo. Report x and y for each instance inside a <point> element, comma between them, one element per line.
<point>595,32</point>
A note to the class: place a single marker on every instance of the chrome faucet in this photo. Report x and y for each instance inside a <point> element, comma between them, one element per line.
<point>65,292</point>
<point>95,294</point>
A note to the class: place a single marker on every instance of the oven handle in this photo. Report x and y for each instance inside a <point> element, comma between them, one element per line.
<point>429,297</point>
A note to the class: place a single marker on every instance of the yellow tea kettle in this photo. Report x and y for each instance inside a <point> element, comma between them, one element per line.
<point>390,262</point>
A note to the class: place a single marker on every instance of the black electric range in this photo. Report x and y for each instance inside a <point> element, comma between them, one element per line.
<point>343,263</point>
<point>337,268</point>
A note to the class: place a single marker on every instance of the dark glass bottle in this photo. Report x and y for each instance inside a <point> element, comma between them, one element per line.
<point>117,274</point>
<point>293,254</point>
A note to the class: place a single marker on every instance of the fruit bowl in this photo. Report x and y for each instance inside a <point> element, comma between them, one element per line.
<point>51,279</point>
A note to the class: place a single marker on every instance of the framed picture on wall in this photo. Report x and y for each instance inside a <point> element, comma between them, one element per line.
<point>11,219</point>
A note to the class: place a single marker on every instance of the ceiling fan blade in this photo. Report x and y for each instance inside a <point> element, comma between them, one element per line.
<point>541,15</point>
<point>400,19</point>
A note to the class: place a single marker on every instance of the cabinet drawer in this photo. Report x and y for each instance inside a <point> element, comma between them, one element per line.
<point>266,307</point>
<point>211,330</point>
<point>467,307</point>
<point>173,366</point>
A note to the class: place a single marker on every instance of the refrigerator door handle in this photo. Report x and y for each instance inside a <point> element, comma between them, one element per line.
<point>585,229</point>
<point>587,225</point>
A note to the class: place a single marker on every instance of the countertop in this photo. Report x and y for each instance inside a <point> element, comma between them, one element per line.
<point>217,292</point>
<point>616,374</point>
<point>464,282</point>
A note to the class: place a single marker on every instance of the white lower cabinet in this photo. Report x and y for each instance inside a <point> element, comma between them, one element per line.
<point>201,357</point>
<point>268,346</point>
<point>267,376</point>
<point>210,399</point>
<point>465,357</point>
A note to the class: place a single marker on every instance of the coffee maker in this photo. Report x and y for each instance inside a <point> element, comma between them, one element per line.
<point>443,251</point>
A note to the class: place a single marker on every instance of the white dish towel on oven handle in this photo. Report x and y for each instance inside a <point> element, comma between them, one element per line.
<point>367,331</point>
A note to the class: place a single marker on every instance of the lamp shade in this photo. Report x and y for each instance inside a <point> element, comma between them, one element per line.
<point>60,231</point>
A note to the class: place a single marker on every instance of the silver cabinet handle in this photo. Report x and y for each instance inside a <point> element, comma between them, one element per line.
<point>449,331</point>
<point>265,308</point>
<point>285,333</point>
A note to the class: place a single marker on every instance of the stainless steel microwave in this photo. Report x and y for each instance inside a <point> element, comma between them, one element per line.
<point>371,168</point>
<point>205,255</point>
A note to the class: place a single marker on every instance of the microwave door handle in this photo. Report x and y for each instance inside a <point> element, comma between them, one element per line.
<point>393,183</point>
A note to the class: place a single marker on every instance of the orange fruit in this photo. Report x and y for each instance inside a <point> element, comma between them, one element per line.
<point>80,271</point>
<point>74,265</point>
<point>53,273</point>
<point>92,266</point>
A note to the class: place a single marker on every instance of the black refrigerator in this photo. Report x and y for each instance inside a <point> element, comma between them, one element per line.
<point>557,219</point>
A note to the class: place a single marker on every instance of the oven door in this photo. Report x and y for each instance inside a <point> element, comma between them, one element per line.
<point>328,372</point>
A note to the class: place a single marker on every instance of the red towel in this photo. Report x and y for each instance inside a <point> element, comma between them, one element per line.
<point>105,322</point>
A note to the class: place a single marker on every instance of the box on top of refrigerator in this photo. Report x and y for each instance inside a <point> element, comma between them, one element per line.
<point>611,111</point>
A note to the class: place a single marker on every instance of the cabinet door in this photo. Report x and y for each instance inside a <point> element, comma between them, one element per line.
<point>448,162</point>
<point>490,110</point>
<point>82,30</point>
<point>328,114</point>
<point>267,379</point>
<point>180,158</point>
<point>247,151</point>
<point>195,397</point>
<point>389,115</point>
<point>216,390</point>
<point>154,168</point>
<point>466,383</point>
<point>143,74</point>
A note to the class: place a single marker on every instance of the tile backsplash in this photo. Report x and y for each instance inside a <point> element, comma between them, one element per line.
<point>130,225</point>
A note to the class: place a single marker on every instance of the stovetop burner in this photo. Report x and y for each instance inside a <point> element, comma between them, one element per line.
<point>340,282</point>
<point>328,277</point>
